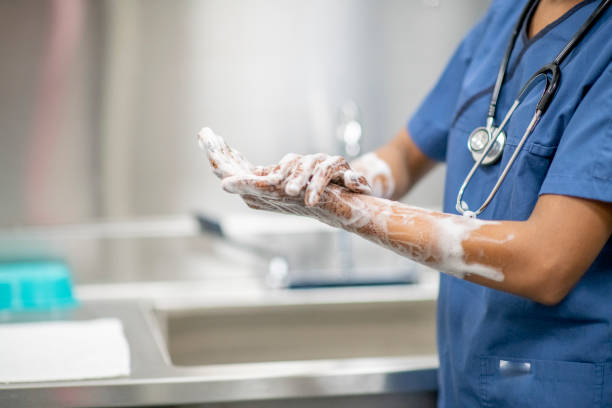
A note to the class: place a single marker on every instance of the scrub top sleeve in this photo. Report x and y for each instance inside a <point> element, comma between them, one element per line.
<point>582,164</point>
<point>430,125</point>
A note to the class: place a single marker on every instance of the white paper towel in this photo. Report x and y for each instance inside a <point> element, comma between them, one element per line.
<point>56,351</point>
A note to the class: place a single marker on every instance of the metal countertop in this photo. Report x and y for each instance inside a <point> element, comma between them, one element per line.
<point>155,381</point>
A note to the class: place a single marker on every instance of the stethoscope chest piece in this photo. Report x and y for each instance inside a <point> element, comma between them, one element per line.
<point>478,140</point>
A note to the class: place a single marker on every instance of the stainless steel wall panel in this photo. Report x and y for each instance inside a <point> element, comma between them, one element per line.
<point>100,101</point>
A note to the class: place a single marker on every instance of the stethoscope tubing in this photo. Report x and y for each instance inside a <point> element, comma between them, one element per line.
<point>501,73</point>
<point>542,74</point>
<point>459,205</point>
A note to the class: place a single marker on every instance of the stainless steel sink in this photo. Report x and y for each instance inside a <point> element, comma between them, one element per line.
<point>238,335</point>
<point>359,354</point>
<point>224,338</point>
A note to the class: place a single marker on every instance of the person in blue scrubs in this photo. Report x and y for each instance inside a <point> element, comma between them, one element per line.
<point>541,335</point>
<point>497,349</point>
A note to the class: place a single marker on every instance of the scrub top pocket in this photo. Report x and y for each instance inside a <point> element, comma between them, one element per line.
<point>509,382</point>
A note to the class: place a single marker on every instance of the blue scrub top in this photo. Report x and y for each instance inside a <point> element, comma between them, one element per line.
<point>497,349</point>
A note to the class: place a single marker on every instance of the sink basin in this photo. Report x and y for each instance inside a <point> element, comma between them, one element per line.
<point>238,335</point>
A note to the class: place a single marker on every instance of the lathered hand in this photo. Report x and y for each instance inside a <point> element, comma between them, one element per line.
<point>295,176</point>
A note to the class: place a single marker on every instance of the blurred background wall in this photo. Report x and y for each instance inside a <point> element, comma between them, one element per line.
<point>100,101</point>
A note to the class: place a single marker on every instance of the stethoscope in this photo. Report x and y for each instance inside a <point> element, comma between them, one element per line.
<point>486,144</point>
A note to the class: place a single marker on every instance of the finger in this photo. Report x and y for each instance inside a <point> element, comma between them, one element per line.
<point>263,170</point>
<point>252,185</point>
<point>209,141</point>
<point>256,203</point>
<point>278,168</point>
<point>224,160</point>
<point>217,151</point>
<point>321,177</point>
<point>287,164</point>
<point>355,182</point>
<point>278,171</point>
<point>287,207</point>
<point>298,180</point>
<point>288,158</point>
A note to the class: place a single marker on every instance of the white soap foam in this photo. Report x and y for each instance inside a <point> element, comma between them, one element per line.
<point>452,231</point>
<point>378,174</point>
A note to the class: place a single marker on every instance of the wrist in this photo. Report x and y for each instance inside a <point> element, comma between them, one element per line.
<point>344,209</point>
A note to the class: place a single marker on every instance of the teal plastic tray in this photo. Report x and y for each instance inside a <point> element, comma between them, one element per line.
<point>35,285</point>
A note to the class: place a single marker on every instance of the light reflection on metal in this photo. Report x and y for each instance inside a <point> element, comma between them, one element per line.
<point>349,131</point>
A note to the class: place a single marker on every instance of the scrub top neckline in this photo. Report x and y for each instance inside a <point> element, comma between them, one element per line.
<point>527,42</point>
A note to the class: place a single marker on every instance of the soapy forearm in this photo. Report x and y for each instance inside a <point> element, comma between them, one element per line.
<point>428,237</point>
<point>535,258</point>
<point>484,252</point>
<point>463,247</point>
